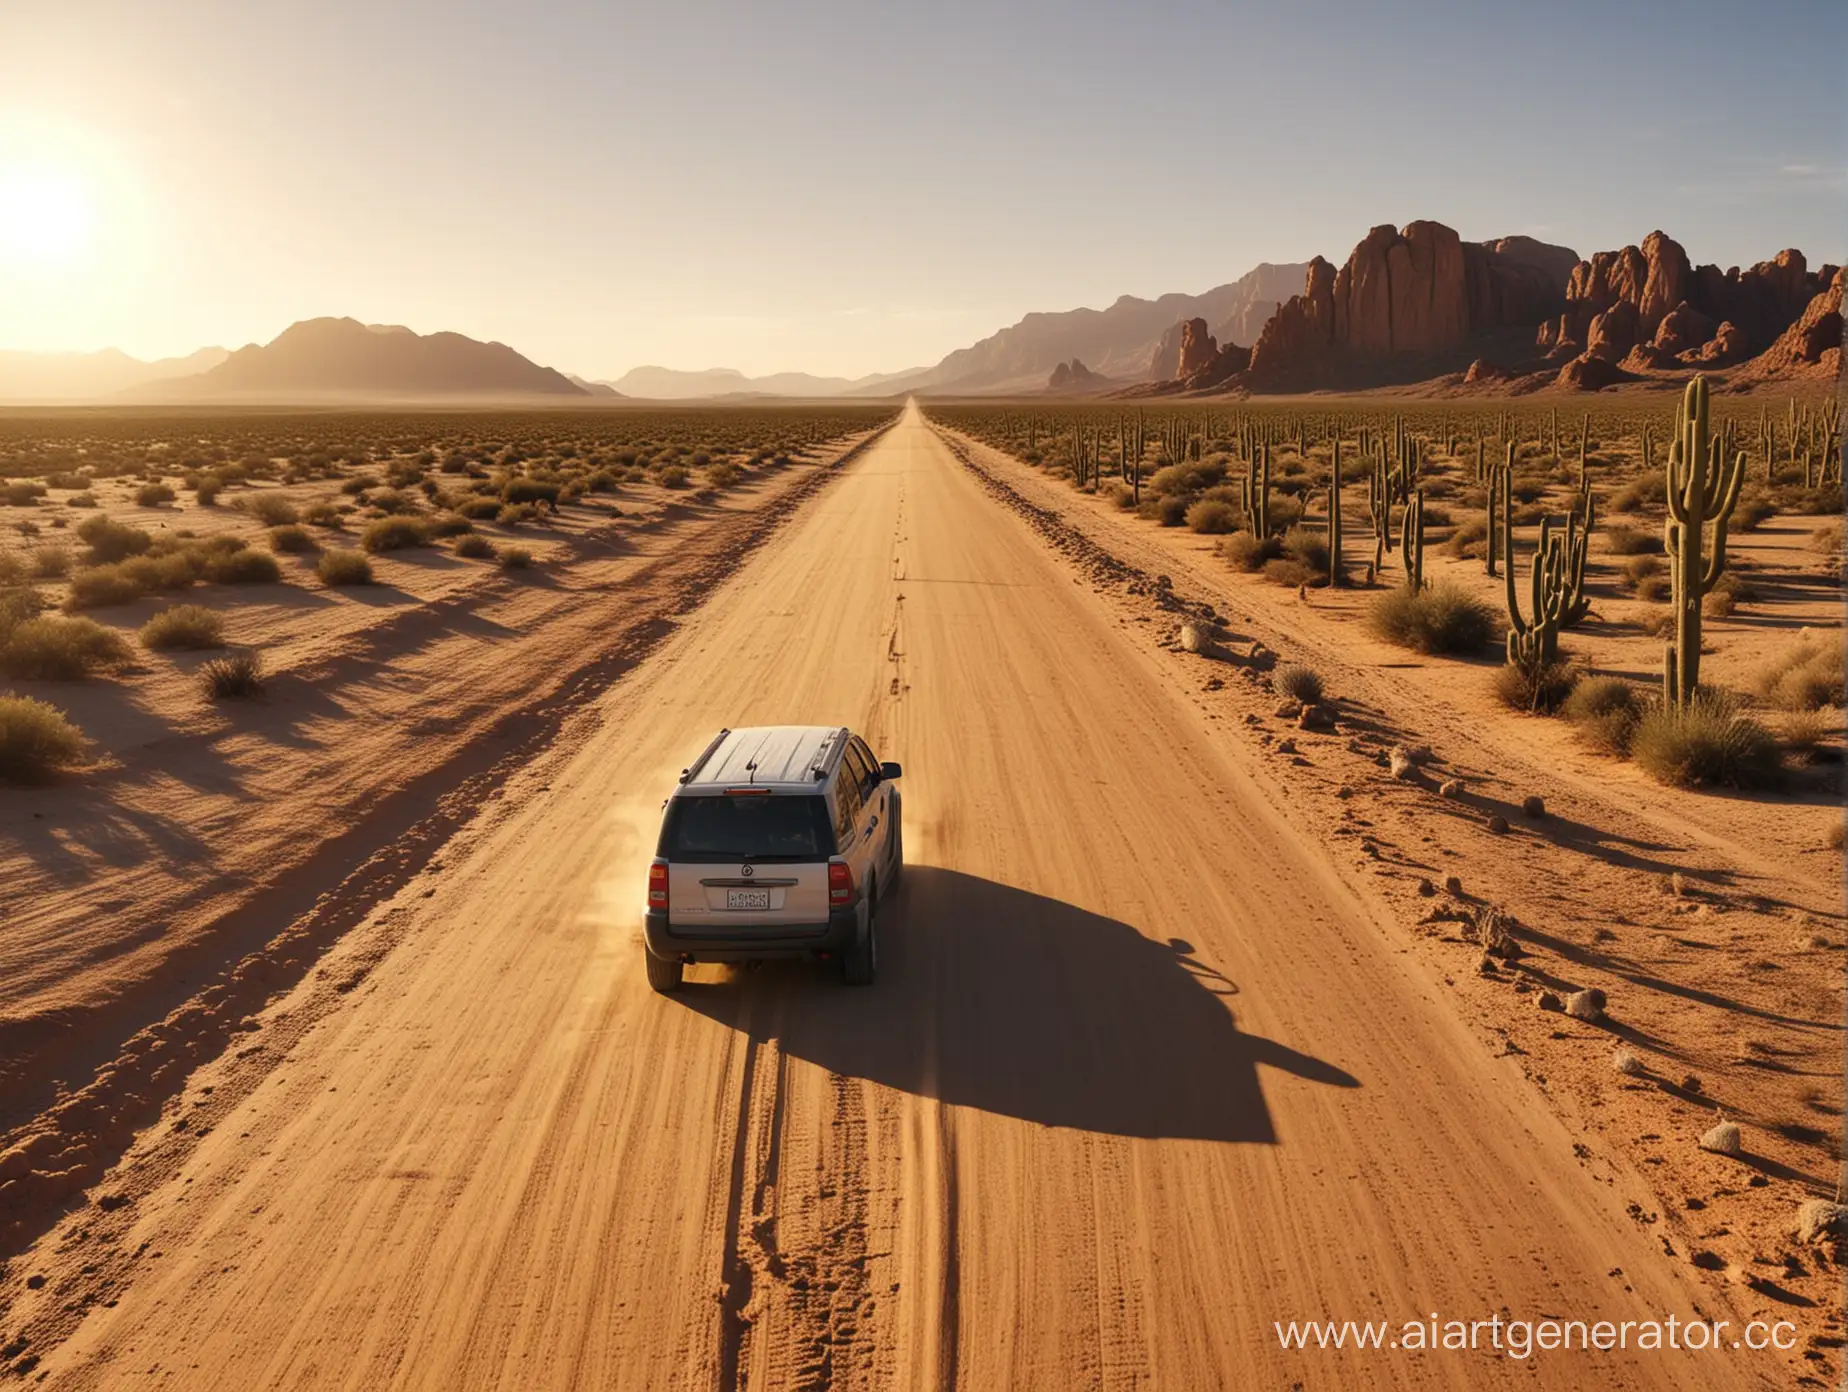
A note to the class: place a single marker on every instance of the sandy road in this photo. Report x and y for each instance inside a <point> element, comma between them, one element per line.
<point>1141,1075</point>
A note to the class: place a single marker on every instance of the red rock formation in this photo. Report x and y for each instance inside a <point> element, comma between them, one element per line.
<point>1614,332</point>
<point>1682,328</point>
<point>1197,348</point>
<point>1586,373</point>
<point>1811,347</point>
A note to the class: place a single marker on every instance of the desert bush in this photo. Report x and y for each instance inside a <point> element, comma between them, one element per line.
<point>153,495</point>
<point>482,509</point>
<point>515,558</point>
<point>1647,491</point>
<point>1539,688</point>
<point>51,561</point>
<point>391,502</point>
<point>56,649</point>
<point>85,499</point>
<point>447,525</point>
<point>1212,517</point>
<point>1243,551</point>
<point>236,676</point>
<point>206,489</point>
<point>1804,675</point>
<point>338,567</point>
<point>1299,683</point>
<point>36,740</point>
<point>1803,734</point>
<point>721,475</point>
<point>322,515</point>
<point>242,567</point>
<point>1752,511</point>
<point>1706,743</point>
<point>1632,541</point>
<point>394,534</point>
<point>1605,711</point>
<point>272,509</point>
<point>183,627</point>
<point>21,492</point>
<point>112,541</point>
<point>475,547</point>
<point>673,476</point>
<point>1308,548</point>
<point>1467,540</point>
<point>292,538</point>
<point>1442,618</point>
<point>98,587</point>
<point>1287,570</point>
<point>359,484</point>
<point>1827,539</point>
<point>1653,588</point>
<point>603,481</point>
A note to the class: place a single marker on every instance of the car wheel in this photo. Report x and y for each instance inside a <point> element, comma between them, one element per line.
<point>665,974</point>
<point>860,963</point>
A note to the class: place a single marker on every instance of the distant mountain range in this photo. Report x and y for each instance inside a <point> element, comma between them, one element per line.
<point>62,377</point>
<point>672,384</point>
<point>1119,342</point>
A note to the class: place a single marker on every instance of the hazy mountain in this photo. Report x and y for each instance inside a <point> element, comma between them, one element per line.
<point>66,377</point>
<point>594,388</point>
<point>673,384</point>
<point>336,358</point>
<point>1117,342</point>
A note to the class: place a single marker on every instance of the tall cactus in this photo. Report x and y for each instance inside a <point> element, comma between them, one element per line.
<point>1411,541</point>
<point>1254,492</point>
<point>1495,509</point>
<point>1702,488</point>
<point>1335,575</point>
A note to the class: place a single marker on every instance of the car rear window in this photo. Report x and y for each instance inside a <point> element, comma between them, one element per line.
<point>750,826</point>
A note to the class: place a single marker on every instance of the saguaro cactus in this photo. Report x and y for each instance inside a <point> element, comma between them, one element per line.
<point>1254,493</point>
<point>1335,576</point>
<point>1702,487</point>
<point>1495,510</point>
<point>1411,541</point>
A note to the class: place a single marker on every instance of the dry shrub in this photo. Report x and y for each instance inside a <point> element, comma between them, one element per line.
<point>243,567</point>
<point>272,509</point>
<point>475,547</point>
<point>1299,683</point>
<point>515,558</point>
<point>112,541</point>
<point>291,538</point>
<point>394,534</point>
<point>1212,517</point>
<point>51,561</point>
<point>1442,618</point>
<point>479,509</point>
<point>153,495</point>
<point>1605,711</point>
<point>1804,733</point>
<point>1639,568</point>
<point>184,626</point>
<point>36,740</point>
<point>1805,675</point>
<point>57,649</point>
<point>341,567</point>
<point>1309,549</point>
<point>1706,743</point>
<point>238,676</point>
<point>1537,688</point>
<point>1653,588</point>
<point>1243,551</point>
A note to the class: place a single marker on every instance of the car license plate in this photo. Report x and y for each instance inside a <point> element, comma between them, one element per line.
<point>747,898</point>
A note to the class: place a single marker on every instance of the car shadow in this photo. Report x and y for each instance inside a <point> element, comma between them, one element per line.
<point>1007,1001</point>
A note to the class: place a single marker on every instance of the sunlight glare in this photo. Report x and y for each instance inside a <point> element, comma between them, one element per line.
<point>46,216</point>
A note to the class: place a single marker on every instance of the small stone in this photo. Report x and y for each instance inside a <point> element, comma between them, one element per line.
<point>1286,746</point>
<point>1344,791</point>
<point>1450,788</point>
<point>1818,1218</point>
<point>1548,1001</point>
<point>1400,762</point>
<point>1498,823</point>
<point>1426,888</point>
<point>35,1282</point>
<point>1587,1005</point>
<point>1533,807</point>
<point>1289,710</point>
<point>1691,1083</point>
<point>1723,1139</point>
<point>1707,1260</point>
<point>1453,886</point>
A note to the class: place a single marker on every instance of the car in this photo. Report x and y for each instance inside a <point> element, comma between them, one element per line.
<point>778,841</point>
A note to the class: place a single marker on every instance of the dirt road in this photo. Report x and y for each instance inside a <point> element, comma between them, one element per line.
<point>1142,1073</point>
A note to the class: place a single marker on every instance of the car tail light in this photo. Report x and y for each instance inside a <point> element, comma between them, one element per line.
<point>657,886</point>
<point>840,882</point>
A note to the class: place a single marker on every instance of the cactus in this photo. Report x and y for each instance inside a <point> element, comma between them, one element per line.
<point>1411,542</point>
<point>1254,493</point>
<point>1335,576</point>
<point>1702,489</point>
<point>1499,477</point>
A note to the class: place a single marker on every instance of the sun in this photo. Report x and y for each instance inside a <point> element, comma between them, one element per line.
<point>47,216</point>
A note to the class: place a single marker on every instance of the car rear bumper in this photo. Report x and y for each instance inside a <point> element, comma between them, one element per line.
<point>736,944</point>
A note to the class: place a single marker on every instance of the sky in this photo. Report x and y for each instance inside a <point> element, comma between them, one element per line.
<point>846,188</point>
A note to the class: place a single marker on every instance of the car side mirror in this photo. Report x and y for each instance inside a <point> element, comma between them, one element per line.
<point>890,770</point>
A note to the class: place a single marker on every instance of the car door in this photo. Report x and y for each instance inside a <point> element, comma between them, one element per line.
<point>874,794</point>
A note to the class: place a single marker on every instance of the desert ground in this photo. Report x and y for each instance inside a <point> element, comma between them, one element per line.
<point>329,1060</point>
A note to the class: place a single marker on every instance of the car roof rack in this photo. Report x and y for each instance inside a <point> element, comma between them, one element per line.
<point>835,745</point>
<point>686,774</point>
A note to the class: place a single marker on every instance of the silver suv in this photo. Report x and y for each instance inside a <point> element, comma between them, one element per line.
<point>779,841</point>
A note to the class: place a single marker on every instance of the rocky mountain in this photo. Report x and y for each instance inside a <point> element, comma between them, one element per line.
<point>1122,341</point>
<point>673,384</point>
<point>594,388</point>
<point>51,378</point>
<point>331,359</point>
<point>1406,303</point>
<point>1074,378</point>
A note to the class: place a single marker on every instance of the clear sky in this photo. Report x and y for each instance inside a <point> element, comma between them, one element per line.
<point>845,186</point>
